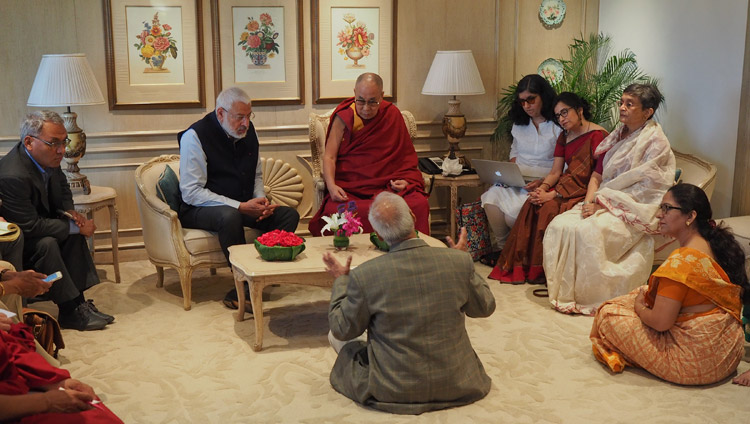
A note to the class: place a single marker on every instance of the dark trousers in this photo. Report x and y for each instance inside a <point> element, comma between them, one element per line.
<point>70,256</point>
<point>12,251</point>
<point>228,222</point>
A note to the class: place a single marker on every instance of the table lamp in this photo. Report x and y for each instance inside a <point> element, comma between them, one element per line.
<point>454,73</point>
<point>67,80</point>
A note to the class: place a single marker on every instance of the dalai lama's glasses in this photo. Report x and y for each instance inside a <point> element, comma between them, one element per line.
<point>370,103</point>
<point>666,207</point>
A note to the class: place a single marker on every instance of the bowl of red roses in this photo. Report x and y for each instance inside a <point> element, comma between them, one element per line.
<point>279,245</point>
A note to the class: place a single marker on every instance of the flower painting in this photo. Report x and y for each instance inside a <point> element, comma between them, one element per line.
<point>155,44</point>
<point>355,41</point>
<point>259,44</point>
<point>258,40</point>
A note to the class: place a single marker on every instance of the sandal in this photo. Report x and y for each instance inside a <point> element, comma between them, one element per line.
<point>490,259</point>
<point>541,292</point>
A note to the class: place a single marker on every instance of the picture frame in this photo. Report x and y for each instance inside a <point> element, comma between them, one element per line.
<point>350,37</point>
<point>154,54</point>
<point>258,46</point>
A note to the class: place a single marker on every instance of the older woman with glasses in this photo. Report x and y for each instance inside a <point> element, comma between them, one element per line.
<point>559,191</point>
<point>685,326</point>
<point>603,248</point>
<point>534,134</point>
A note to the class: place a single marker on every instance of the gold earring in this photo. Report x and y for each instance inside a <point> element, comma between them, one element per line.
<point>687,223</point>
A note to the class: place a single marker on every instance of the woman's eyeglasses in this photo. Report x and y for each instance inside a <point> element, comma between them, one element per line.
<point>530,100</point>
<point>563,113</point>
<point>666,207</point>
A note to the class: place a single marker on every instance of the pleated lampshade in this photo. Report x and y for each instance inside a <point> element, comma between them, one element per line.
<point>64,80</point>
<point>453,73</point>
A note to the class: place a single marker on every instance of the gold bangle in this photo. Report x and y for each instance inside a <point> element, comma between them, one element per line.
<point>2,290</point>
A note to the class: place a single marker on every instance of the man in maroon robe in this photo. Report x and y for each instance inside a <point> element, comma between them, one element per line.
<point>368,150</point>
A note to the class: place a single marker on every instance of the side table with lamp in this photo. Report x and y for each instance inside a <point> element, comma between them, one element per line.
<point>454,73</point>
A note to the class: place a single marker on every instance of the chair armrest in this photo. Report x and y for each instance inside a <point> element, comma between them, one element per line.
<point>319,192</point>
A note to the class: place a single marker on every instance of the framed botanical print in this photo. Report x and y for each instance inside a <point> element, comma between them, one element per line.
<point>258,47</point>
<point>154,54</point>
<point>351,37</point>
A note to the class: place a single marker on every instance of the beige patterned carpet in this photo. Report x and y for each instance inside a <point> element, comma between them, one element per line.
<point>160,364</point>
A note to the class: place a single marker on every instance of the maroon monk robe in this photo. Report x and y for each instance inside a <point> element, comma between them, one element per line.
<point>23,369</point>
<point>368,159</point>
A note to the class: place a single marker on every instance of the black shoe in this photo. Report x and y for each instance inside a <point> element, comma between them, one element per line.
<point>94,310</point>
<point>231,302</point>
<point>82,319</point>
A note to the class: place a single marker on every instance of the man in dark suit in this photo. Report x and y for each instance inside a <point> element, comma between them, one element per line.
<point>413,302</point>
<point>36,196</point>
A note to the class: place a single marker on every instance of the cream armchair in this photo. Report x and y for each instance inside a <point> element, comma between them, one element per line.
<point>168,244</point>
<point>318,128</point>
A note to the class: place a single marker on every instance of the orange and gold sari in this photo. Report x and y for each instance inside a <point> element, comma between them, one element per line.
<point>700,348</point>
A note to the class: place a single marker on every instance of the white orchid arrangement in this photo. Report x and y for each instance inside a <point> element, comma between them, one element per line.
<point>344,221</point>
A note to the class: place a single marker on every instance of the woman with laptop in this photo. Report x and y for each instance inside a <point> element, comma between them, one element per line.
<point>559,191</point>
<point>534,133</point>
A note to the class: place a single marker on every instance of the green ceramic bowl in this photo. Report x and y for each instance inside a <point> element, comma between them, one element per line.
<point>278,253</point>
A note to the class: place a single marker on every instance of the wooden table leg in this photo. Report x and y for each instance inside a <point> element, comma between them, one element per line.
<point>113,228</point>
<point>240,287</point>
<point>256,299</point>
<point>452,211</point>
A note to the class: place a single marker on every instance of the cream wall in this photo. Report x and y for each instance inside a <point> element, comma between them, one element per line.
<point>696,49</point>
<point>121,140</point>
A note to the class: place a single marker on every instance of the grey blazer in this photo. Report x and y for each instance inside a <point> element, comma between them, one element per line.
<point>413,302</point>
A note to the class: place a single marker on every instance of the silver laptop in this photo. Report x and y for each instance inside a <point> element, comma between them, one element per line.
<point>493,172</point>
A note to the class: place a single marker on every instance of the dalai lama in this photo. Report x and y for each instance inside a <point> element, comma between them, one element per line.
<point>368,150</point>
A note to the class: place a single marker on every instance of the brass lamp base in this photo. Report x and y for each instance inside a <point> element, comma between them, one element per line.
<point>454,127</point>
<point>78,182</point>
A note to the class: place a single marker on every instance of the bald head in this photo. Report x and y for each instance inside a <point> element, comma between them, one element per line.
<point>391,218</point>
<point>370,78</point>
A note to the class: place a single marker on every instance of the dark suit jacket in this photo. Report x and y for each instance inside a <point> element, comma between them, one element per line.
<point>27,202</point>
<point>413,302</point>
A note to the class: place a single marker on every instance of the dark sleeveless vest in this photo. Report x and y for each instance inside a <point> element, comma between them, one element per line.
<point>231,165</point>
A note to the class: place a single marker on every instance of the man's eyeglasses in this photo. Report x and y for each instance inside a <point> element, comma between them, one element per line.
<point>563,113</point>
<point>54,144</point>
<point>240,117</point>
<point>363,102</point>
<point>666,207</point>
<point>530,100</point>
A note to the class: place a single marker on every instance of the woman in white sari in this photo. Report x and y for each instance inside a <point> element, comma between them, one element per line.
<point>603,248</point>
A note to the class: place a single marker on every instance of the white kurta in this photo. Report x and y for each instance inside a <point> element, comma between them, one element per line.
<point>589,261</point>
<point>534,153</point>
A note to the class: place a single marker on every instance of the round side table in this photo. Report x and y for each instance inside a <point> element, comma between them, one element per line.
<point>87,204</point>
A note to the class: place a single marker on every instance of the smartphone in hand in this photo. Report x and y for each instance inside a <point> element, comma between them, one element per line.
<point>53,277</point>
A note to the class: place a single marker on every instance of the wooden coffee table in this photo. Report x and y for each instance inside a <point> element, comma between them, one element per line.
<point>306,269</point>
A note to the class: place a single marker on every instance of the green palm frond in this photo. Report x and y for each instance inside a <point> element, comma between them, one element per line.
<point>593,73</point>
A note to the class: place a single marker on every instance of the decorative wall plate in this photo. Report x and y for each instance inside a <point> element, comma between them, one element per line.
<point>552,12</point>
<point>551,70</point>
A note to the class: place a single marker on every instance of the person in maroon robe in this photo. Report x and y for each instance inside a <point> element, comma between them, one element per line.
<point>368,150</point>
<point>33,391</point>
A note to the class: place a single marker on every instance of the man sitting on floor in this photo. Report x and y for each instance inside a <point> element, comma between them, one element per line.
<point>368,150</point>
<point>413,302</point>
<point>36,196</point>
<point>221,178</point>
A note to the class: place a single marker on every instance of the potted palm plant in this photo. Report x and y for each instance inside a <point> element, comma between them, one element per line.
<point>592,73</point>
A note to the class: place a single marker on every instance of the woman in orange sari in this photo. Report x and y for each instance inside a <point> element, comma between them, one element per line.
<point>685,326</point>
<point>559,191</point>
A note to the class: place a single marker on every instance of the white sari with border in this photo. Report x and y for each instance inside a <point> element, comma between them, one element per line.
<point>589,261</point>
